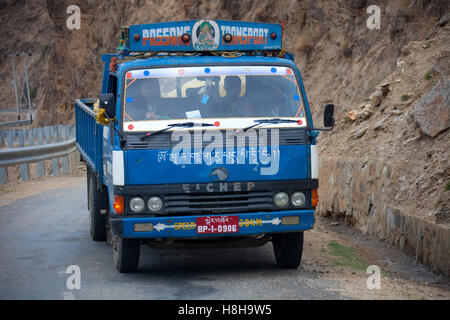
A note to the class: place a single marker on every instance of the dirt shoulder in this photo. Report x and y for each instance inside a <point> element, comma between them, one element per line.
<point>22,189</point>
<point>339,253</point>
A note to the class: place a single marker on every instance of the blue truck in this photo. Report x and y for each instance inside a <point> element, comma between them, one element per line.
<point>201,137</point>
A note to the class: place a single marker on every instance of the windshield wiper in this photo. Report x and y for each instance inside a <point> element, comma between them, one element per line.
<point>180,125</point>
<point>269,121</point>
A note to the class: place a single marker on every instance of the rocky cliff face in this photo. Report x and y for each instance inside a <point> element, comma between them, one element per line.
<point>340,58</point>
<point>385,168</point>
<point>385,165</point>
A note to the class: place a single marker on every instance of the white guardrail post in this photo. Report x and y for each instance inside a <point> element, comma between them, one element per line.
<point>20,147</point>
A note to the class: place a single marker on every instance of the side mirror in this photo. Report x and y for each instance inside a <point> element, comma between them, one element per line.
<point>328,115</point>
<point>108,102</point>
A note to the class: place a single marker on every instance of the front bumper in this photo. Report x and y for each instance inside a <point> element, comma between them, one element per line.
<point>185,226</point>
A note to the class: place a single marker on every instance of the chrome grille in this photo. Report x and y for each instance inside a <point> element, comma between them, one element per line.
<point>207,203</point>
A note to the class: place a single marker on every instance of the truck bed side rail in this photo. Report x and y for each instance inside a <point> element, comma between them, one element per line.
<point>88,132</point>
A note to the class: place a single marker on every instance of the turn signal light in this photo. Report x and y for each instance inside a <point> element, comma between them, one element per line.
<point>314,198</point>
<point>143,227</point>
<point>290,220</point>
<point>118,204</point>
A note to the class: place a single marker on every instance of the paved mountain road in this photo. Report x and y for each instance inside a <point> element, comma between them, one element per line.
<point>44,229</point>
<point>42,235</point>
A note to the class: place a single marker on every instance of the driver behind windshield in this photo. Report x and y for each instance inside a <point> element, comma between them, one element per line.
<point>145,102</point>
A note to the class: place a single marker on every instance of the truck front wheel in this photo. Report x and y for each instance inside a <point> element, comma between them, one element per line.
<point>126,254</point>
<point>96,200</point>
<point>288,248</point>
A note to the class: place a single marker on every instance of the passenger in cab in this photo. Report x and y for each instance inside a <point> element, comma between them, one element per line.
<point>236,105</point>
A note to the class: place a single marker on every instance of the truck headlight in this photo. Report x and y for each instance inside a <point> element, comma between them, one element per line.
<point>137,204</point>
<point>281,199</point>
<point>298,199</point>
<point>154,204</point>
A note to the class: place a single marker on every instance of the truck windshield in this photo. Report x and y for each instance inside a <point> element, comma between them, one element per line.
<point>223,92</point>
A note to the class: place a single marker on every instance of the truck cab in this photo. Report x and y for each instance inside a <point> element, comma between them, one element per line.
<point>202,136</point>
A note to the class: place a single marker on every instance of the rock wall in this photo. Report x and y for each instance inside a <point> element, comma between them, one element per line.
<point>360,192</point>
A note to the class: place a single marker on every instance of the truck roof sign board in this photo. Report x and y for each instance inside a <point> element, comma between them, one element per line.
<point>205,35</point>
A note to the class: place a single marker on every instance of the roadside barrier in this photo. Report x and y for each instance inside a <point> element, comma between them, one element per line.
<point>21,147</point>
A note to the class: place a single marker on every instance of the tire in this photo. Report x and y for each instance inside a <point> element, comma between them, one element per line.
<point>126,254</point>
<point>96,202</point>
<point>288,249</point>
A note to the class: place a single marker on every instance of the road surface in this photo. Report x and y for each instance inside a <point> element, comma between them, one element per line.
<point>44,233</point>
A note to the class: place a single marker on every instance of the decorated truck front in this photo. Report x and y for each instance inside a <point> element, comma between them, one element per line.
<point>203,136</point>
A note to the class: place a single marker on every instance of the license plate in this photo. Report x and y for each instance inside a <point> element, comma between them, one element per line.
<point>218,224</point>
